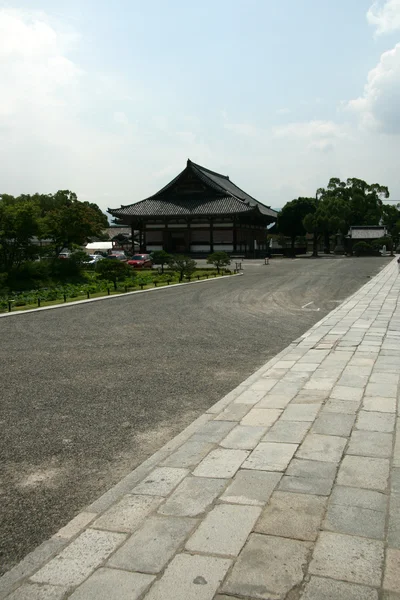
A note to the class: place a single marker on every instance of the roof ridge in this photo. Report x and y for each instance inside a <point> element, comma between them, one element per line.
<point>208,170</point>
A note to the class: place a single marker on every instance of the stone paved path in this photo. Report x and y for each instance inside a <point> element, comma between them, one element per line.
<point>288,488</point>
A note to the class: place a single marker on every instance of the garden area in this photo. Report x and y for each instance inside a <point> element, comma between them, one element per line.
<point>49,282</point>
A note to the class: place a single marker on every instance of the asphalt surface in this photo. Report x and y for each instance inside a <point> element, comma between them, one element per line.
<point>90,391</point>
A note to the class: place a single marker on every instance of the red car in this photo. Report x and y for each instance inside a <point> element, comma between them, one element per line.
<point>140,261</point>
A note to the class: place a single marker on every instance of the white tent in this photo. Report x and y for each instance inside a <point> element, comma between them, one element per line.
<point>98,246</point>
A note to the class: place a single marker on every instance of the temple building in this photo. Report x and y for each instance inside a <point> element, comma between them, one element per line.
<point>199,212</point>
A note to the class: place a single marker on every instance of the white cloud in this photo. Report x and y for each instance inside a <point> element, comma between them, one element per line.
<point>379,107</point>
<point>120,118</point>
<point>384,16</point>
<point>319,135</point>
<point>246,129</point>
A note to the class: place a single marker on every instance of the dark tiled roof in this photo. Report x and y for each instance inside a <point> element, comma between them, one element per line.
<point>228,199</point>
<point>192,205</point>
<point>224,183</point>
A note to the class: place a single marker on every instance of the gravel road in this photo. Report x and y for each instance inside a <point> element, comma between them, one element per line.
<point>89,391</point>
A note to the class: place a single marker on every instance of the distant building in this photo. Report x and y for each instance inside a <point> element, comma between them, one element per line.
<point>367,232</point>
<point>198,212</point>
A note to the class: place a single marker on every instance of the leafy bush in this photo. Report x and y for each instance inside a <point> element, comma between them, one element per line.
<point>219,259</point>
<point>183,265</point>
<point>160,257</point>
<point>362,248</point>
<point>113,270</point>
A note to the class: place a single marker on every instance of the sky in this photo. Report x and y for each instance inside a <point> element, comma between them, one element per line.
<point>110,99</point>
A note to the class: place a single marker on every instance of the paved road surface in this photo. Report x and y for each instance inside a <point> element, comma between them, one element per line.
<point>88,392</point>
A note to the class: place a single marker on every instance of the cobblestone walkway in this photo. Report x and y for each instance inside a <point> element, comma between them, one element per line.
<point>288,488</point>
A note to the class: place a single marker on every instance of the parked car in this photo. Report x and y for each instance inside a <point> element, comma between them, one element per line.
<point>141,261</point>
<point>94,258</point>
<point>117,255</point>
<point>64,255</point>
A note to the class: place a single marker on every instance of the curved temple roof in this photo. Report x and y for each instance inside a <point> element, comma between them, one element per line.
<point>219,196</point>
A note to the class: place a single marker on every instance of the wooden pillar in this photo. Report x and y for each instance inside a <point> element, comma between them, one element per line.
<point>234,233</point>
<point>188,238</point>
<point>133,238</point>
<point>144,239</point>
<point>211,236</point>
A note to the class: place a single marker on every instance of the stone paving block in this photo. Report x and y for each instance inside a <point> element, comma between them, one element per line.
<point>284,364</point>
<point>394,521</point>
<point>251,487</point>
<point>384,390</point>
<point>391,580</point>
<point>350,379</point>
<point>320,383</point>
<point>213,431</point>
<point>233,412</point>
<point>249,397</point>
<point>268,567</point>
<point>111,584</point>
<point>80,558</point>
<point>341,406</point>
<point>270,456</point>
<point>261,417</point>
<point>390,378</point>
<point>292,432</point>
<point>160,482</point>
<point>150,548</point>
<point>360,361</point>
<point>359,497</point>
<point>296,516</point>
<point>188,455</point>
<point>312,468</point>
<point>320,588</point>
<point>221,463</point>
<point>349,558</point>
<point>300,412</point>
<point>324,448</point>
<point>128,514</point>
<point>264,384</point>
<point>305,367</point>
<point>76,525</point>
<point>36,591</point>
<point>375,421</point>
<point>379,404</point>
<point>333,424</point>
<point>192,497</point>
<point>243,437</point>
<point>314,356</point>
<point>363,472</point>
<point>306,485</point>
<point>355,521</point>
<point>272,400</point>
<point>190,578</point>
<point>371,443</point>
<point>310,397</point>
<point>224,530</point>
<point>341,392</point>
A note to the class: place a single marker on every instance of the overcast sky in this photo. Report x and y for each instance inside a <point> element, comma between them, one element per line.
<point>109,99</point>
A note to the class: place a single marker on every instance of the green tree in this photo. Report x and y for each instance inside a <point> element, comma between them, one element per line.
<point>67,221</point>
<point>113,270</point>
<point>391,219</point>
<point>18,225</point>
<point>183,265</point>
<point>160,257</point>
<point>290,219</point>
<point>219,260</point>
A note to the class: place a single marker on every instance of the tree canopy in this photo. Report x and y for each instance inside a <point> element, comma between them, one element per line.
<point>58,217</point>
<point>290,219</point>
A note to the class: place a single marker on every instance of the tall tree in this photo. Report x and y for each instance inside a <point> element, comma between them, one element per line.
<point>18,225</point>
<point>290,219</point>
<point>67,221</point>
